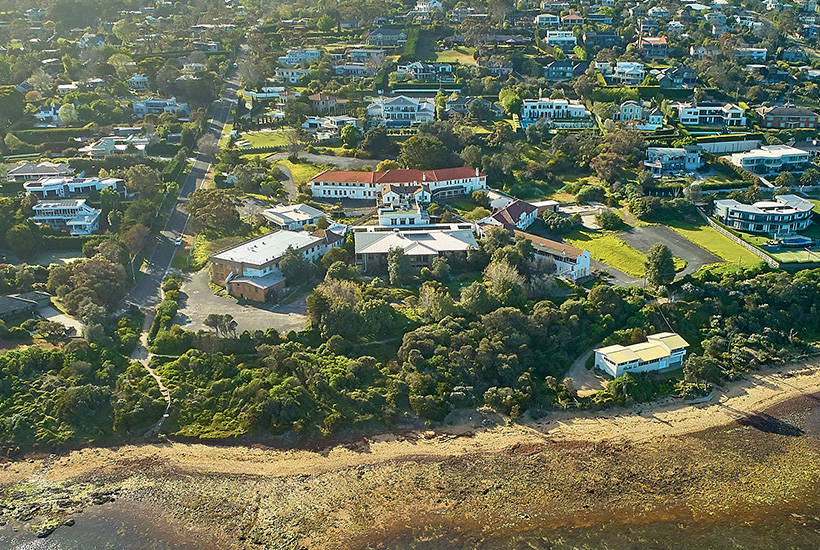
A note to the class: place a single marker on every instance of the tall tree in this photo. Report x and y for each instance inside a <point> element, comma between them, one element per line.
<point>660,265</point>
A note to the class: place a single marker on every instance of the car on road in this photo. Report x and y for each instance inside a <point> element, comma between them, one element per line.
<point>178,242</point>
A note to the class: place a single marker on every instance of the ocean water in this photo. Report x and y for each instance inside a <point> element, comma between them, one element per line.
<point>120,525</point>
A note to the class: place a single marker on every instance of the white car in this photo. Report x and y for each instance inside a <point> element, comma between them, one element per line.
<point>178,242</point>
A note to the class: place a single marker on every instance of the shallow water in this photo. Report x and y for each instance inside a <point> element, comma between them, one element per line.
<point>121,525</point>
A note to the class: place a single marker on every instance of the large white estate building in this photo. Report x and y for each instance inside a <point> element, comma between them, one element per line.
<point>73,215</point>
<point>401,111</point>
<point>783,215</point>
<point>635,114</point>
<point>560,113</point>
<point>711,114</point>
<point>350,184</point>
<point>772,159</point>
<point>662,351</point>
<point>62,187</point>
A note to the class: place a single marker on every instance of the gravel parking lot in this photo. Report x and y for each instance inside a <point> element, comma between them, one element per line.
<point>643,238</point>
<point>197,301</point>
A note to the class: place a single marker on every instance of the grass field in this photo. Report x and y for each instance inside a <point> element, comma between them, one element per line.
<point>456,55</point>
<point>609,249</point>
<point>709,239</point>
<point>303,171</point>
<point>816,208</point>
<point>276,138</point>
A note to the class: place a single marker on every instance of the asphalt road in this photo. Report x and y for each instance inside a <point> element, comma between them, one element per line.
<point>146,292</point>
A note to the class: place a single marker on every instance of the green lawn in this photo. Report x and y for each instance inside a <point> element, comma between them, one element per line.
<point>457,55</point>
<point>609,249</point>
<point>276,138</point>
<point>709,239</point>
<point>816,208</point>
<point>797,255</point>
<point>303,171</point>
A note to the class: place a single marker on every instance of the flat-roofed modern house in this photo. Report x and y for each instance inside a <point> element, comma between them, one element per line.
<point>63,187</point>
<point>154,106</point>
<point>570,262</point>
<point>709,113</point>
<point>293,216</point>
<point>73,215</point>
<point>251,270</point>
<point>661,352</point>
<point>783,215</point>
<point>351,184</point>
<point>420,246</point>
<point>772,159</point>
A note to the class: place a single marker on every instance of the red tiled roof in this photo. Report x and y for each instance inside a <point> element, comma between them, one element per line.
<point>396,176</point>
<point>570,250</point>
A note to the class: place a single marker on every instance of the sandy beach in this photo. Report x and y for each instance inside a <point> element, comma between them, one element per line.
<point>646,422</point>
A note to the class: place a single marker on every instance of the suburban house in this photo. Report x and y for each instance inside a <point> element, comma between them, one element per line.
<point>545,20</point>
<point>560,113</point>
<point>138,83</point>
<point>461,106</point>
<point>514,215</point>
<point>63,187</point>
<point>251,270</point>
<point>679,77</point>
<point>420,246</point>
<point>661,352</point>
<point>757,55</point>
<point>398,193</point>
<point>401,111</point>
<point>326,104</point>
<point>403,214</point>
<point>351,184</point>
<point>15,307</point>
<point>558,71</point>
<point>116,145</point>
<point>787,118</point>
<point>73,215</point>
<point>781,216</point>
<point>651,47</point>
<point>202,46</point>
<point>360,55</point>
<point>28,171</point>
<point>572,20</point>
<point>709,113</point>
<point>387,37</point>
<point>648,25</point>
<point>293,217</point>
<point>154,106</point>
<point>299,57</point>
<point>661,161</point>
<point>563,39</point>
<point>772,159</point>
<point>570,262</point>
<point>628,73</point>
<point>500,68</point>
<point>602,39</point>
<point>354,70</point>
<point>293,76</point>
<point>642,118</point>
<point>328,127</point>
<point>419,70</point>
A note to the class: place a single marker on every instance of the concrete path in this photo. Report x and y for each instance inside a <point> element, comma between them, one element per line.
<point>586,381</point>
<point>142,355</point>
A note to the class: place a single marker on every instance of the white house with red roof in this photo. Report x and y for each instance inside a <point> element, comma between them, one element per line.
<point>350,184</point>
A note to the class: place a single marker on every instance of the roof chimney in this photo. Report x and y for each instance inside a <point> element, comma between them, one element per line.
<point>477,173</point>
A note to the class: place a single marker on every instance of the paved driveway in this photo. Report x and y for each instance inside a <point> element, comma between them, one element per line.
<point>197,301</point>
<point>53,314</point>
<point>643,238</point>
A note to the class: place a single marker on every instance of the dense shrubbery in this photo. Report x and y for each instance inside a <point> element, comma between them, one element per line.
<point>80,393</point>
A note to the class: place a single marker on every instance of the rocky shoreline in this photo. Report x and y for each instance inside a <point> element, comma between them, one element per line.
<point>480,487</point>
